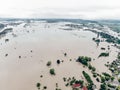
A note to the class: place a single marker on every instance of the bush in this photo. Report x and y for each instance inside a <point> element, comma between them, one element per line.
<point>45,87</point>
<point>79,82</point>
<point>111,86</point>
<point>38,85</point>
<point>102,79</point>
<point>52,71</point>
<point>103,87</point>
<point>67,84</point>
<point>48,63</point>
<point>119,80</point>
<point>94,75</point>
<point>90,66</point>
<point>58,61</point>
<point>93,69</point>
<point>97,79</point>
<point>107,76</point>
<point>118,88</point>
<point>64,79</point>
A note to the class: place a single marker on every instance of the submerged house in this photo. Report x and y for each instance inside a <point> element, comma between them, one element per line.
<point>84,88</point>
<point>76,86</point>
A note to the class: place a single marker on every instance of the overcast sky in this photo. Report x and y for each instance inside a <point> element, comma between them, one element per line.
<point>84,9</point>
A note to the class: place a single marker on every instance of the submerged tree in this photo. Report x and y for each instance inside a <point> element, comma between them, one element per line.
<point>52,71</point>
<point>38,85</point>
<point>49,63</point>
<point>84,60</point>
<point>58,61</point>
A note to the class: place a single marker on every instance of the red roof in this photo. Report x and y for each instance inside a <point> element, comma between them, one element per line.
<point>84,88</point>
<point>76,85</point>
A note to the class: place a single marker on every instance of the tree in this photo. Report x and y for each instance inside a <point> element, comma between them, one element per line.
<point>87,77</point>
<point>90,66</point>
<point>104,54</point>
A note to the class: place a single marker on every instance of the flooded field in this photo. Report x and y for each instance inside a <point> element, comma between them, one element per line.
<point>23,58</point>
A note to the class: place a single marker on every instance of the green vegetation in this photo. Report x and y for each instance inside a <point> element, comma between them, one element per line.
<point>91,67</point>
<point>84,60</point>
<point>104,54</point>
<point>106,74</point>
<point>64,79</point>
<point>52,71</point>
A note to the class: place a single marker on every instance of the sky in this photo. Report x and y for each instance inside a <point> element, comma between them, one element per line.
<point>80,9</point>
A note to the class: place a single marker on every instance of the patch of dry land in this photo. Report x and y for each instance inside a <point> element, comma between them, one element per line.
<point>45,56</point>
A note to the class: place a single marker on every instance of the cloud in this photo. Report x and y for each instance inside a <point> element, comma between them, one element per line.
<point>86,9</point>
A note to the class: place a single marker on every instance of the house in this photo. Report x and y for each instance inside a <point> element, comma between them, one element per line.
<point>76,85</point>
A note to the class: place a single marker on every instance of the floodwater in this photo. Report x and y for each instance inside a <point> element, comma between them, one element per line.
<point>41,42</point>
